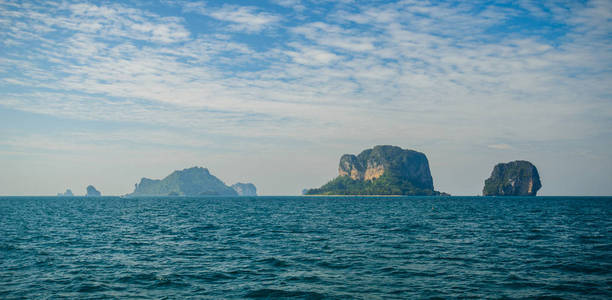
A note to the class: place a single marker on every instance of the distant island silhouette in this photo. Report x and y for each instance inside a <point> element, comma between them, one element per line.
<point>383,170</point>
<point>195,181</point>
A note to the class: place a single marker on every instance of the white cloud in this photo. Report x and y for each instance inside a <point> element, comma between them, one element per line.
<point>500,146</point>
<point>294,4</point>
<point>106,22</point>
<point>241,18</point>
<point>312,56</point>
<point>335,37</point>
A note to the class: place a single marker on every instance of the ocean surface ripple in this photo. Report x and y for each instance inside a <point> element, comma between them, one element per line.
<point>306,247</point>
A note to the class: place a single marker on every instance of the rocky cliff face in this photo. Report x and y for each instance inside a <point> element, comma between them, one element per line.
<point>351,166</point>
<point>517,178</point>
<point>371,164</point>
<point>194,181</point>
<point>382,170</point>
<point>92,192</point>
<point>245,189</point>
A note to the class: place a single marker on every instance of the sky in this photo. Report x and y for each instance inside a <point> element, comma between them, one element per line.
<point>273,93</point>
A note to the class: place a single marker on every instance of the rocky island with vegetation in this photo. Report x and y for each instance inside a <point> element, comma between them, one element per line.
<point>382,170</point>
<point>196,181</point>
<point>516,178</point>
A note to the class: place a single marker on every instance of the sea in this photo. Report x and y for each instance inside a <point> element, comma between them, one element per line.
<point>306,248</point>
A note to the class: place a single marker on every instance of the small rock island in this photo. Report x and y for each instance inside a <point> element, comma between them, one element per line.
<point>67,193</point>
<point>92,192</point>
<point>382,170</point>
<point>196,181</point>
<point>245,189</point>
<point>516,178</point>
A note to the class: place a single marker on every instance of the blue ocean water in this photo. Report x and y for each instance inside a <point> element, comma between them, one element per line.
<point>306,247</point>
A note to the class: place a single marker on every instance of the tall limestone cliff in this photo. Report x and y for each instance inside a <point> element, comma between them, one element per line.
<point>196,181</point>
<point>517,178</point>
<point>370,164</point>
<point>382,170</point>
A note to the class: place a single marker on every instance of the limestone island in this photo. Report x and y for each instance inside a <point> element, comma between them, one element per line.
<point>382,170</point>
<point>92,192</point>
<point>516,178</point>
<point>67,193</point>
<point>196,181</point>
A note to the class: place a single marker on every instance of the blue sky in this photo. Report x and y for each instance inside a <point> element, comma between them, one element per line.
<point>107,92</point>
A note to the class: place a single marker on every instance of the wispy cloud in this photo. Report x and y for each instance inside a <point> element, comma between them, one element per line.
<point>296,5</point>
<point>106,22</point>
<point>240,18</point>
<point>397,59</point>
<point>500,146</point>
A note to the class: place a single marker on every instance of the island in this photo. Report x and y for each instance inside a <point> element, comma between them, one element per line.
<point>67,193</point>
<point>245,189</point>
<point>516,178</point>
<point>92,192</point>
<point>382,170</point>
<point>195,181</point>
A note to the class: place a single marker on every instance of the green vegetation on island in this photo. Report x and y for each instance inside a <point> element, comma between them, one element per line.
<point>387,184</point>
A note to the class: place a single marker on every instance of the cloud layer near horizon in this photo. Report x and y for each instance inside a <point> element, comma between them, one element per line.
<point>339,75</point>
